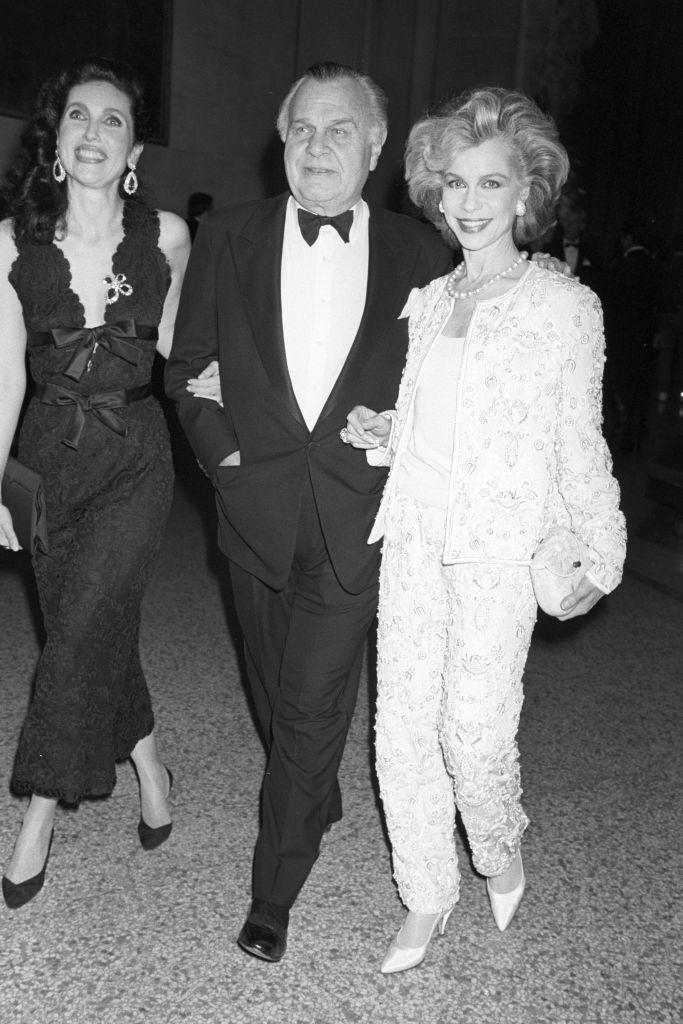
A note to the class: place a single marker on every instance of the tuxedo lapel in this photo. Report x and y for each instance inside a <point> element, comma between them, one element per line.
<point>389,268</point>
<point>258,261</point>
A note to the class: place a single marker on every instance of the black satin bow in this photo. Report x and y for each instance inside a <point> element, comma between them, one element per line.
<point>311,223</point>
<point>102,405</point>
<point>119,338</point>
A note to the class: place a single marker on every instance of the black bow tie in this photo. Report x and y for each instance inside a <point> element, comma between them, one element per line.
<point>311,223</point>
<point>574,242</point>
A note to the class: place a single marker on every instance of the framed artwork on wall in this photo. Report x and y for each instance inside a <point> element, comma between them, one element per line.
<point>39,37</point>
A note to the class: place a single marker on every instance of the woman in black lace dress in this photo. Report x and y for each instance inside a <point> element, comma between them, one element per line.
<point>89,285</point>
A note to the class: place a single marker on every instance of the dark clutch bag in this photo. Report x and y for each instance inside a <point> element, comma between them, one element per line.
<point>23,494</point>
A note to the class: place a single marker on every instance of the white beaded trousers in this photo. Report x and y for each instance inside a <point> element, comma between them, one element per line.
<point>452,644</point>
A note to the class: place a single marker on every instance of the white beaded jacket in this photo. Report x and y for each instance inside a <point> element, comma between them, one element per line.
<point>528,450</point>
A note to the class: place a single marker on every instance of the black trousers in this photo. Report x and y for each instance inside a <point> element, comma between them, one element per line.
<point>304,648</point>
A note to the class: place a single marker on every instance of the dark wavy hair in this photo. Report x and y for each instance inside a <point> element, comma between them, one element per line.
<point>472,118</point>
<point>36,202</point>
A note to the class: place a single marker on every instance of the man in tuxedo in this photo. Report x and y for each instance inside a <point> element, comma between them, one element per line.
<point>570,243</point>
<point>299,298</point>
<point>630,319</point>
<point>198,205</point>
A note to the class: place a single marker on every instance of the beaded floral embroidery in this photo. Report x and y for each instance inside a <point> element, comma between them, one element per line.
<point>528,449</point>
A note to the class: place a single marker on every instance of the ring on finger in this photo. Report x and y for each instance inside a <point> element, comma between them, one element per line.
<point>344,434</point>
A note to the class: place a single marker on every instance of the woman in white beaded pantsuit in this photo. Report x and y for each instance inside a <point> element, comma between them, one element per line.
<point>496,437</point>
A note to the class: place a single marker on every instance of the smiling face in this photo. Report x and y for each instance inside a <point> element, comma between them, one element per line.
<point>480,195</point>
<point>96,134</point>
<point>330,146</point>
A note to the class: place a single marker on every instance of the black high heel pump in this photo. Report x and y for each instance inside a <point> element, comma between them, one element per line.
<point>16,894</point>
<point>150,837</point>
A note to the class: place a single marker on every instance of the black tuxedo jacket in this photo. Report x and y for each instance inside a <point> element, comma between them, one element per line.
<point>230,309</point>
<point>588,265</point>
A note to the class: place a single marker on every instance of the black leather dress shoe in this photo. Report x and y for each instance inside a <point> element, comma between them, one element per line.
<point>264,933</point>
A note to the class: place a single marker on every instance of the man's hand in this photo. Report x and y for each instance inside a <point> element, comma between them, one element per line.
<point>582,598</point>
<point>548,262</point>
<point>366,428</point>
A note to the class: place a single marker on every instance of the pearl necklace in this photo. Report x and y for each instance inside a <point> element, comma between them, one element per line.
<point>460,270</point>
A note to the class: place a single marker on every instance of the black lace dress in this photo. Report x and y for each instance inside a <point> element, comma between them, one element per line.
<point>100,442</point>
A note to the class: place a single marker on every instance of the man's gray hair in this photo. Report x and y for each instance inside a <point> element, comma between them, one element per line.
<point>328,71</point>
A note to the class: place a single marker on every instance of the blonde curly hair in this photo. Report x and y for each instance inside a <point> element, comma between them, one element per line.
<point>475,117</point>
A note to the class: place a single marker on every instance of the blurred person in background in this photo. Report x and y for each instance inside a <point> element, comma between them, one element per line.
<point>669,336</point>
<point>198,205</point>
<point>630,319</point>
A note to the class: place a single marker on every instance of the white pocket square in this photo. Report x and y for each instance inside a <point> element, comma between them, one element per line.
<point>410,302</point>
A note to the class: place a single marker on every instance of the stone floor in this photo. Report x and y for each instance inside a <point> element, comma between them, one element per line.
<point>120,936</point>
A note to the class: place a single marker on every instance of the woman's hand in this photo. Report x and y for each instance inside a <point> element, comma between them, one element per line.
<point>8,538</point>
<point>582,598</point>
<point>366,428</point>
<point>207,384</point>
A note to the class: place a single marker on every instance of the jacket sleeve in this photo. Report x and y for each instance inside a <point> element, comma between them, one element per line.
<point>195,343</point>
<point>587,486</point>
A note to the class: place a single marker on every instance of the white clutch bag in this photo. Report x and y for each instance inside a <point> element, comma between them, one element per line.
<point>558,564</point>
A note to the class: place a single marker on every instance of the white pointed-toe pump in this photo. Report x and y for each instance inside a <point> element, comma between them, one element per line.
<point>504,904</point>
<point>402,958</point>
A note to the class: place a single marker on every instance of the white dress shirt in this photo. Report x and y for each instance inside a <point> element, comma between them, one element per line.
<point>571,254</point>
<point>323,289</point>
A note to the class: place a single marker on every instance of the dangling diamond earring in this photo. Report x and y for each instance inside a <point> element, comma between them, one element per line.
<point>520,209</point>
<point>58,172</point>
<point>130,182</point>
